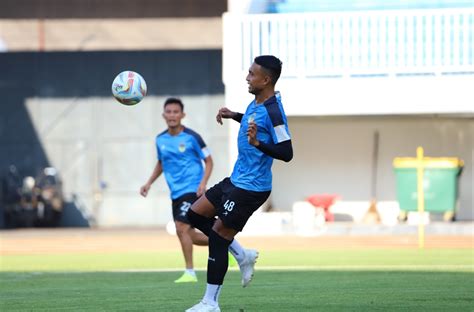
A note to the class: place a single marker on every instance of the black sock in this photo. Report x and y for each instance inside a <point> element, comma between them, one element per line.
<point>218,261</point>
<point>201,223</point>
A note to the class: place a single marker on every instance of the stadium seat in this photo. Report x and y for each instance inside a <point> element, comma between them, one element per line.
<point>324,201</point>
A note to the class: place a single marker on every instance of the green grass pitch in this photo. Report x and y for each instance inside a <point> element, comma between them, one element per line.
<point>316,280</point>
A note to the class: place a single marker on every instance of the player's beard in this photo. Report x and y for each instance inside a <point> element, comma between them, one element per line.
<point>254,91</point>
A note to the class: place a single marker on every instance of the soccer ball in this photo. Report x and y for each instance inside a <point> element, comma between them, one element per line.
<point>129,87</point>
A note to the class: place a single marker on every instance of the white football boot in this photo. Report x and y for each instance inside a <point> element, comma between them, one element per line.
<point>247,267</point>
<point>204,307</point>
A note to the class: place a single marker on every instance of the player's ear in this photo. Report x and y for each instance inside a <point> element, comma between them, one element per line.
<point>184,114</point>
<point>268,80</point>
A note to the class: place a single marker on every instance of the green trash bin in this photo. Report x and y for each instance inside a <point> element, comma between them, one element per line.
<point>440,184</point>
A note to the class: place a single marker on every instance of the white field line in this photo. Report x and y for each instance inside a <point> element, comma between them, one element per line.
<point>435,267</point>
<point>447,267</point>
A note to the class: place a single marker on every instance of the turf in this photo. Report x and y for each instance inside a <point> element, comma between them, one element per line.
<point>329,280</point>
<point>456,259</point>
<point>271,291</point>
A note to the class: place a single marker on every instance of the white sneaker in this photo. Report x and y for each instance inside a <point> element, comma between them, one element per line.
<point>247,266</point>
<point>204,307</point>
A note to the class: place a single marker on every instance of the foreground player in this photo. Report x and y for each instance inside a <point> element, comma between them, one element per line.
<point>180,154</point>
<point>263,136</point>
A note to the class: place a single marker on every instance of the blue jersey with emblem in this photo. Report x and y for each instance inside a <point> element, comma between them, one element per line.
<point>253,169</point>
<point>181,157</point>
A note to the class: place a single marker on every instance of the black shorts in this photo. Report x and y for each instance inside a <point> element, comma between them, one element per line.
<point>234,205</point>
<point>181,206</point>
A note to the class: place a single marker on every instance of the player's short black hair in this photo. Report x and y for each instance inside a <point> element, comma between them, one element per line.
<point>271,64</point>
<point>173,100</point>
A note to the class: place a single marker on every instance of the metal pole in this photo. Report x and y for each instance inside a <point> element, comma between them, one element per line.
<point>421,197</point>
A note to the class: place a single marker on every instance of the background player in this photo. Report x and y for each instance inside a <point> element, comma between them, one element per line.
<point>263,136</point>
<point>181,152</point>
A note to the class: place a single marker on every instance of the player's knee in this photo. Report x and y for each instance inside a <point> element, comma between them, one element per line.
<point>181,228</point>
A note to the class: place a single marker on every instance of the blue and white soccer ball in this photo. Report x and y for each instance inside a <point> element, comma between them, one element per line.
<point>129,87</point>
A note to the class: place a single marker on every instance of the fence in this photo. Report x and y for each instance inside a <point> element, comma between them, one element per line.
<point>382,43</point>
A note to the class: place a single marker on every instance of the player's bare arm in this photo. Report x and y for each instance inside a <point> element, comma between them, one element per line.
<point>157,171</point>
<point>208,165</point>
<point>225,113</point>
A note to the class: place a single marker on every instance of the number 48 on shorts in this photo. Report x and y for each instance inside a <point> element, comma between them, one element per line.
<point>229,205</point>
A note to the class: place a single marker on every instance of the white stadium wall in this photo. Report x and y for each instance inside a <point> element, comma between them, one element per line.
<point>333,155</point>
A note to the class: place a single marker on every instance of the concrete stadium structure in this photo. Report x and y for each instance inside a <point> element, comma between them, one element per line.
<point>338,94</point>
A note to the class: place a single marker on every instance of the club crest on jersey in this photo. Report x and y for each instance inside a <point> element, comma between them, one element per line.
<point>182,147</point>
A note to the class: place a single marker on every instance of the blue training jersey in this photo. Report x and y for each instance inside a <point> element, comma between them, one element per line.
<point>181,157</point>
<point>253,169</point>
